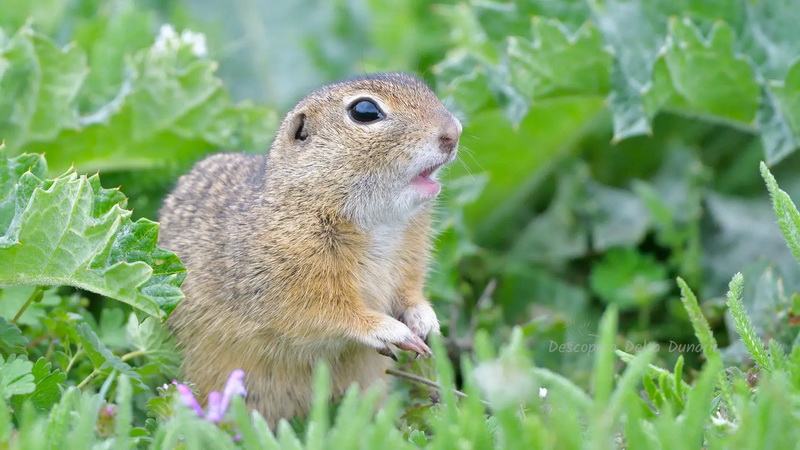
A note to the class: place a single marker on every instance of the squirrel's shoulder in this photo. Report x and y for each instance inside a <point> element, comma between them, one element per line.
<point>214,186</point>
<point>223,168</point>
<point>218,173</point>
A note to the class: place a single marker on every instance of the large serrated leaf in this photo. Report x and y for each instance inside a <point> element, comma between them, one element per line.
<point>777,136</point>
<point>770,35</point>
<point>71,231</point>
<point>724,62</point>
<point>635,38</point>
<point>108,42</point>
<point>137,105</point>
<point>787,96</point>
<point>46,14</point>
<point>703,76</point>
<point>537,66</point>
<point>462,80</point>
<point>38,87</point>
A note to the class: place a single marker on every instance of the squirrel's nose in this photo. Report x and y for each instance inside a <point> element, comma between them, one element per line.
<point>450,134</point>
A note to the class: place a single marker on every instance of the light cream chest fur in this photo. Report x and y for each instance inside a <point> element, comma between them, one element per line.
<point>379,276</point>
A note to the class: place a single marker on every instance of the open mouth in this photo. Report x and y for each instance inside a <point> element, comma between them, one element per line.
<point>425,183</point>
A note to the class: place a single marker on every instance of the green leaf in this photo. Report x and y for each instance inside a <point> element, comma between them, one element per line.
<point>136,102</point>
<point>787,100</point>
<point>71,231</point>
<point>48,386</point>
<point>728,62</point>
<point>11,170</point>
<point>769,35</point>
<point>657,372</point>
<point>108,40</point>
<point>537,66</point>
<point>11,338</point>
<point>157,344</point>
<point>15,376</point>
<point>111,328</point>
<point>746,240</point>
<point>161,406</point>
<point>44,14</point>
<point>583,212</point>
<point>6,425</point>
<point>703,76</point>
<point>635,39</point>
<point>777,136</point>
<point>84,411</point>
<point>253,428</point>
<point>102,358</point>
<point>462,81</point>
<point>38,87</point>
<point>629,279</point>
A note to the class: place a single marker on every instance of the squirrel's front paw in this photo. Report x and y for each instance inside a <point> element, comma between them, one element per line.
<point>421,319</point>
<point>391,331</point>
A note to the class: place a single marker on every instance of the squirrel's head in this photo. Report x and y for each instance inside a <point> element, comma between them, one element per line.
<point>374,145</point>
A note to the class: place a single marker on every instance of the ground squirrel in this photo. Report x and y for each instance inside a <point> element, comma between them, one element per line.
<point>315,251</point>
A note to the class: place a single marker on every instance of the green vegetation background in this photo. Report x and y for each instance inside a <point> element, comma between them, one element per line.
<point>609,147</point>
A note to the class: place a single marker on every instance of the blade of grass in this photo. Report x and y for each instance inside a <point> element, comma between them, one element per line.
<point>747,333</point>
<point>698,408</point>
<point>703,333</point>
<point>786,211</point>
<point>630,380</point>
<point>603,381</point>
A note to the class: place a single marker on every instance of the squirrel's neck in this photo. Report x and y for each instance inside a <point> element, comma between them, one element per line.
<point>297,192</point>
<point>300,197</point>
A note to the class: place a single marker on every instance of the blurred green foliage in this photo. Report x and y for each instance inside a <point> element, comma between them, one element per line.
<point>609,146</point>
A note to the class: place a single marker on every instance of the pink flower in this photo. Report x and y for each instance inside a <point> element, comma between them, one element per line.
<point>234,386</point>
<point>217,403</point>
<point>214,412</point>
<point>187,397</point>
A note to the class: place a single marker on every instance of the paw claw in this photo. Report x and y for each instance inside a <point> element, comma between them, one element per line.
<point>386,351</point>
<point>415,344</point>
<point>394,332</point>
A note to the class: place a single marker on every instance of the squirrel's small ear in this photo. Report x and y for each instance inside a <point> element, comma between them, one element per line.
<point>298,127</point>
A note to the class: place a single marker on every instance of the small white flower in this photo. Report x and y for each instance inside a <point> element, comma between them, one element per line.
<point>542,392</point>
<point>166,39</point>
<point>169,40</point>
<point>196,40</point>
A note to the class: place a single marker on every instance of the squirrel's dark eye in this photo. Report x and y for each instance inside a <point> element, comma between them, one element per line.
<point>365,111</point>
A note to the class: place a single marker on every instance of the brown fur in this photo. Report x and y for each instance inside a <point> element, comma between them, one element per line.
<point>286,267</point>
